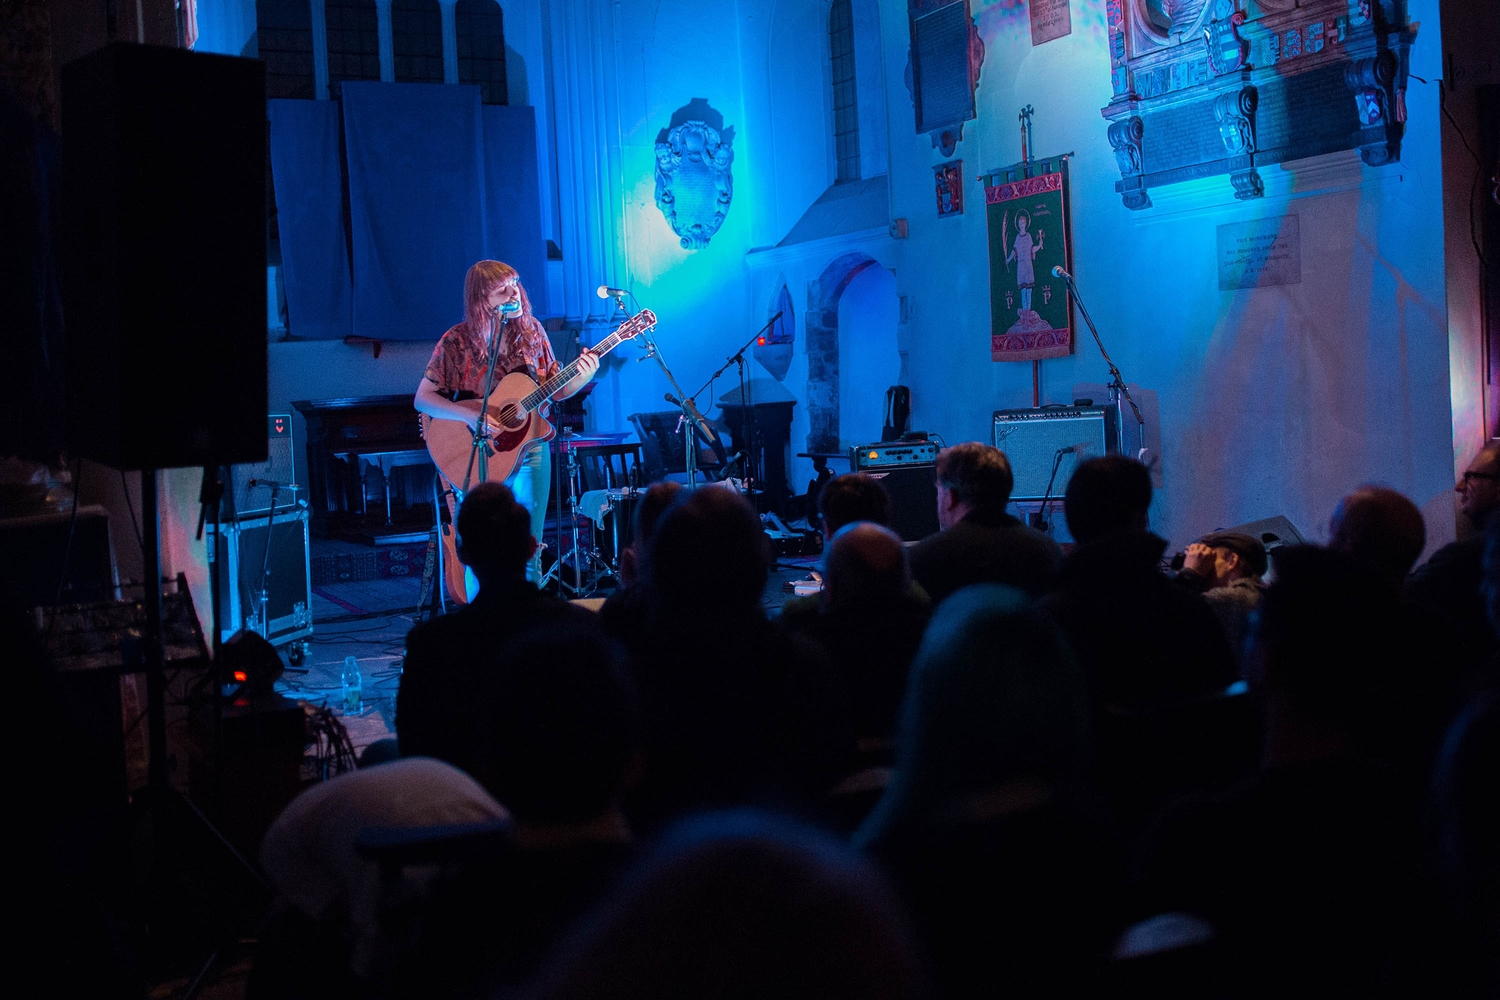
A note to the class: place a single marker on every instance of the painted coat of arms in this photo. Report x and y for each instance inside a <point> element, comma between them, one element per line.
<point>693,183</point>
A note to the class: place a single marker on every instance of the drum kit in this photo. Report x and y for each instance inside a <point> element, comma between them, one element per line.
<point>600,524</point>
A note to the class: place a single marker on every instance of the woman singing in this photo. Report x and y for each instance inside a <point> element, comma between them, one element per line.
<point>496,305</point>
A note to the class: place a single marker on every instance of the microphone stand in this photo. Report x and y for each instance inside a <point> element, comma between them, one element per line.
<point>690,416</point>
<point>479,451</point>
<point>749,445</point>
<point>1117,386</point>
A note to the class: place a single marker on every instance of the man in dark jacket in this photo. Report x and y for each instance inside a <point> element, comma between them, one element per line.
<point>439,712</point>
<point>1449,581</point>
<point>1153,654</point>
<point>979,542</point>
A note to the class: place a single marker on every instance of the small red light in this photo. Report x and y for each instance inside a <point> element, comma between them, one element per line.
<point>760,340</point>
<point>241,676</point>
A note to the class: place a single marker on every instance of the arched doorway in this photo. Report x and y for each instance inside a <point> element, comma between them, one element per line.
<point>848,341</point>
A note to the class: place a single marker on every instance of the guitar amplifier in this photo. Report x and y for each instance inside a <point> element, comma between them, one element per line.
<point>240,499</point>
<point>1035,439</point>
<point>243,548</point>
<point>888,453</point>
<point>908,471</point>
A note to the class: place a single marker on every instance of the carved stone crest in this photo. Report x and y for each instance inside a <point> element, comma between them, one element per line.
<point>693,183</point>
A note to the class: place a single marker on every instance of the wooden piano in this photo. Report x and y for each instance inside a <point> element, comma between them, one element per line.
<point>342,431</point>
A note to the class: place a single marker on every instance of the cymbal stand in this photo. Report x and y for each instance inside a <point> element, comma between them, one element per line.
<point>594,564</point>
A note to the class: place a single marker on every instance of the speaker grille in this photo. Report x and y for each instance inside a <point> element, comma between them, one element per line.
<point>1031,440</point>
<point>279,466</point>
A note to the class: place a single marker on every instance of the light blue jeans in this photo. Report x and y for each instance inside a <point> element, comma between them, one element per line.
<point>531,482</point>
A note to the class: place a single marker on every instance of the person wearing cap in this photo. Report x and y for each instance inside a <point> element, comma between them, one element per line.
<point>1227,567</point>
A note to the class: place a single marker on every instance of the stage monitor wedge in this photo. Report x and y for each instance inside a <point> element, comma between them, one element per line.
<point>164,253</point>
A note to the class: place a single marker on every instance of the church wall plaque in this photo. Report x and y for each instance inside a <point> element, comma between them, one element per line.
<point>1259,252</point>
<point>1210,87</point>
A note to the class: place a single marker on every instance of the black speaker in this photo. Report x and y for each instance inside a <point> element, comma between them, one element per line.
<point>164,251</point>
<point>913,493</point>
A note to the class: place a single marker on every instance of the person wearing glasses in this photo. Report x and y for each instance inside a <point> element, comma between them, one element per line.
<point>1448,582</point>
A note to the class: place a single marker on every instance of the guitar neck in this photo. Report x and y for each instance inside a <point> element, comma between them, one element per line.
<point>570,370</point>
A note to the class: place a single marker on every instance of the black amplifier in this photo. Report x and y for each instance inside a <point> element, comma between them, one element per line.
<point>889,453</point>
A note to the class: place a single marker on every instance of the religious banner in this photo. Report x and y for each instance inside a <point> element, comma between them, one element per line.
<point>1031,315</point>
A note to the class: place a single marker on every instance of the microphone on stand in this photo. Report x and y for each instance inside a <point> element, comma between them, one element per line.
<point>272,484</point>
<point>1058,272</point>
<point>606,292</point>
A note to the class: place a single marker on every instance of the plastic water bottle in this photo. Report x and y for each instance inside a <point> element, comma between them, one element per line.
<point>352,686</point>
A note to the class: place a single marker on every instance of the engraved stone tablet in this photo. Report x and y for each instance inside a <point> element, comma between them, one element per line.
<point>1050,19</point>
<point>1260,252</point>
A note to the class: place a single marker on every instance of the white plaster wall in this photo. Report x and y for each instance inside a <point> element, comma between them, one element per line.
<point>1275,400</point>
<point>868,359</point>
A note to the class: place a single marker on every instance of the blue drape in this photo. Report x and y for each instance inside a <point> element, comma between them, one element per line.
<point>436,181</point>
<point>310,217</point>
<point>415,172</point>
<point>512,199</point>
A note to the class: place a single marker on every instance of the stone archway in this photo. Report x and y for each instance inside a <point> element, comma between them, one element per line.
<point>821,325</point>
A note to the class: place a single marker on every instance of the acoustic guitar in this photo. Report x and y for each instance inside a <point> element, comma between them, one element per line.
<point>516,404</point>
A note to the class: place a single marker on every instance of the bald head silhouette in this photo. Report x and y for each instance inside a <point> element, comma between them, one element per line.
<point>865,564</point>
<point>1382,529</point>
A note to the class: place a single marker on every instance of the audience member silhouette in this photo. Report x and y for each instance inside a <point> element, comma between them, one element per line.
<point>448,659</point>
<point>1467,846</point>
<point>563,725</point>
<point>844,500</point>
<point>1448,582</point>
<point>1011,882</point>
<point>1382,530</point>
<point>1154,657</point>
<point>1306,869</point>
<point>980,542</point>
<point>625,611</point>
<point>855,496</point>
<point>741,906</point>
<point>325,935</point>
<point>654,501</point>
<point>734,711</point>
<point>1227,568</point>
<point>870,625</point>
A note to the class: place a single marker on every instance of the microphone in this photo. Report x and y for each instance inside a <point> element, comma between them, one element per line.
<point>511,308</point>
<point>605,292</point>
<point>1058,272</point>
<point>672,399</point>
<point>1081,448</point>
<point>271,484</point>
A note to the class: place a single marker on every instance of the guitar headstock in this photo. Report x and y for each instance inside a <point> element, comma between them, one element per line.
<point>636,325</point>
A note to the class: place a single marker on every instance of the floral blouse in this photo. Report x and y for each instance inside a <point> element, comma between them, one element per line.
<point>458,361</point>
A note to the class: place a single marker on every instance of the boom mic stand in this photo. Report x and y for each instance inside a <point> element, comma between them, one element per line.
<point>692,419</point>
<point>1117,387</point>
<point>750,446</point>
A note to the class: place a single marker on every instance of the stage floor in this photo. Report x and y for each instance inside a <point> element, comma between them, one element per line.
<point>369,619</point>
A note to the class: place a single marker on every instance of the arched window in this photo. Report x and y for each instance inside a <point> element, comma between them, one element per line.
<point>845,101</point>
<point>417,41</point>
<point>481,48</point>
<point>284,40</point>
<point>353,40</point>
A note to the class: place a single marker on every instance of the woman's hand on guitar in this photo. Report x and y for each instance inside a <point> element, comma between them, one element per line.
<point>588,364</point>
<point>491,426</point>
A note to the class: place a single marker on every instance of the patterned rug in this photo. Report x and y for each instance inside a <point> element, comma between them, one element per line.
<point>377,564</point>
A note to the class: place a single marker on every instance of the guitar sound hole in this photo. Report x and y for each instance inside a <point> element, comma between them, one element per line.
<point>511,416</point>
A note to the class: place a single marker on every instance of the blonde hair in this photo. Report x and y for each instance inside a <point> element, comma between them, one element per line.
<point>482,279</point>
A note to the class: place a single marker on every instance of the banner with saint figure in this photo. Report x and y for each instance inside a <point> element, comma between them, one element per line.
<point>1031,314</point>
